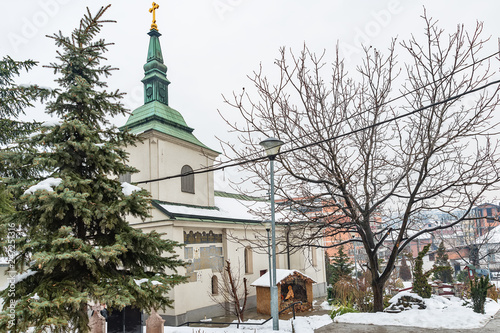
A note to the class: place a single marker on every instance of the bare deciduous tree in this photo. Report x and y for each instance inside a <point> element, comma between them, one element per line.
<point>347,168</point>
<point>230,291</point>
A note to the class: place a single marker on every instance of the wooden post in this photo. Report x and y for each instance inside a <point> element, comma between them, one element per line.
<point>155,323</point>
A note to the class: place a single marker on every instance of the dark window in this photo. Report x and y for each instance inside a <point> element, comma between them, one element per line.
<point>187,181</point>
<point>215,285</point>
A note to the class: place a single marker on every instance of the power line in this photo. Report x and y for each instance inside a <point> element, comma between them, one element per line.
<point>212,169</point>
<point>365,111</point>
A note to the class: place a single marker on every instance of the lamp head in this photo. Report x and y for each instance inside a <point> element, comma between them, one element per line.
<point>272,146</point>
<point>267,224</point>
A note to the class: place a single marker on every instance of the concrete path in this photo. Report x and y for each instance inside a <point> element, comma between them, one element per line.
<point>493,326</point>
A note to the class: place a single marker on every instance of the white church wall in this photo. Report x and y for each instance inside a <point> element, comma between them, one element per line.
<point>157,157</point>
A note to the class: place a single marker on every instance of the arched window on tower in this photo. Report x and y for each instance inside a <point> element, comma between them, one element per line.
<point>187,180</point>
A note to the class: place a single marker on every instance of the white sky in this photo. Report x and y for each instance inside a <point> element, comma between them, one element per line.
<point>210,46</point>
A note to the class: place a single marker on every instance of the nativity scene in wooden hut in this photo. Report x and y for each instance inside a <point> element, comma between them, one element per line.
<point>293,286</point>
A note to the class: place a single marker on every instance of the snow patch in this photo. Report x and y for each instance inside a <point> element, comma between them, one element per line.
<point>51,123</point>
<point>326,306</point>
<point>141,281</point>
<point>25,275</point>
<point>47,184</point>
<point>405,293</point>
<point>128,189</point>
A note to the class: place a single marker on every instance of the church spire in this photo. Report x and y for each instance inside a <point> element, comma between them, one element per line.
<point>155,72</point>
<point>156,116</point>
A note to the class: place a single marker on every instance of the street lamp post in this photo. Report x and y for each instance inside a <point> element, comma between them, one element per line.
<point>272,147</point>
<point>267,225</point>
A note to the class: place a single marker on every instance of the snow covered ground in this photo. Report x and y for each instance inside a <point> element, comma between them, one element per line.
<point>300,324</point>
<point>440,313</point>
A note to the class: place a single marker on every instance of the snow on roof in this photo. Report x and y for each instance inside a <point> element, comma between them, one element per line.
<point>46,184</point>
<point>225,207</point>
<point>281,274</point>
<point>491,237</point>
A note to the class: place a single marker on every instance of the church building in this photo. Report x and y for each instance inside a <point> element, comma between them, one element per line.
<point>215,226</point>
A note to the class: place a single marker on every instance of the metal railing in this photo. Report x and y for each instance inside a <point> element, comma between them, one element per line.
<point>238,323</point>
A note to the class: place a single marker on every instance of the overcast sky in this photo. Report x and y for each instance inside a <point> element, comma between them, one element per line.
<point>210,46</point>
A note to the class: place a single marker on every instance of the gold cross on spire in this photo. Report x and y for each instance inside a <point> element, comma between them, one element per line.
<point>152,10</point>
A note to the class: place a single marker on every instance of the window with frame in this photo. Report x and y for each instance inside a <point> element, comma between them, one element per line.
<point>187,180</point>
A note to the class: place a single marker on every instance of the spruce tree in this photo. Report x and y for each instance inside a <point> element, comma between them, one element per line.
<point>74,244</point>
<point>341,266</point>
<point>14,100</point>
<point>442,268</point>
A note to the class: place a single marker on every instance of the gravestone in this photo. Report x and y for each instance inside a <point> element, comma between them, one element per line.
<point>97,323</point>
<point>155,323</point>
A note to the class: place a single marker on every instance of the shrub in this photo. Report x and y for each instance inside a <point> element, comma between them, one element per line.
<point>478,291</point>
<point>345,291</point>
<point>493,293</point>
<point>342,310</point>
<point>351,293</point>
<point>420,284</point>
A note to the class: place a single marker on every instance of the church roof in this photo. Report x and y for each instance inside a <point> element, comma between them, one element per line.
<point>162,118</point>
<point>229,208</point>
<point>156,114</point>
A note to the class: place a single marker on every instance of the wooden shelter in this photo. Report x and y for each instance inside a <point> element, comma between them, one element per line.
<point>293,286</point>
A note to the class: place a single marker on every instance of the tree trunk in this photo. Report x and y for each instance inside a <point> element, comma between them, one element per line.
<point>378,295</point>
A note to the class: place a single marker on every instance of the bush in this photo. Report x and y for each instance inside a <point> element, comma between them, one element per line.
<point>345,291</point>
<point>342,310</point>
<point>493,293</point>
<point>478,291</point>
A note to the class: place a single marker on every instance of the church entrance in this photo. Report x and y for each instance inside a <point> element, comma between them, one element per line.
<point>129,320</point>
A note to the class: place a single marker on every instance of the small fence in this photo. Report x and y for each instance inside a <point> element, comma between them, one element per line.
<point>238,323</point>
